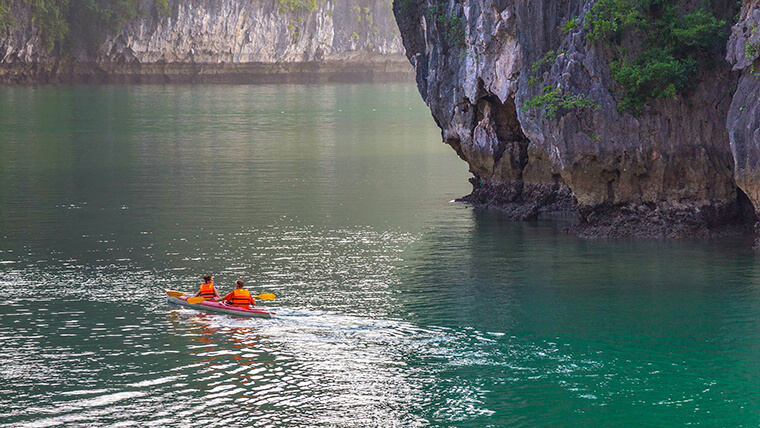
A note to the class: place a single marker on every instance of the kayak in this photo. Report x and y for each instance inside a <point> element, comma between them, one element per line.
<point>212,306</point>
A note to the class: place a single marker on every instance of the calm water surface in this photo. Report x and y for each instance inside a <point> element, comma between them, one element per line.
<point>396,308</point>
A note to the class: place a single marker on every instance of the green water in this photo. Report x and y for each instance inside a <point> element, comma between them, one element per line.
<point>395,307</point>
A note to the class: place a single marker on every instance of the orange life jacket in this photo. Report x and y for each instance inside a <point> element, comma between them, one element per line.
<point>207,291</point>
<point>241,297</point>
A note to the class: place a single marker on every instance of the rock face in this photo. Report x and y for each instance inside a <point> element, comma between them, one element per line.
<point>666,172</point>
<point>743,121</point>
<point>211,40</point>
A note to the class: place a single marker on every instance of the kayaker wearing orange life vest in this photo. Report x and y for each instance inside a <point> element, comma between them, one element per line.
<point>240,296</point>
<point>208,291</point>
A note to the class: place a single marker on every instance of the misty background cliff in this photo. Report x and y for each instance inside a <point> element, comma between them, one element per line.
<point>199,40</point>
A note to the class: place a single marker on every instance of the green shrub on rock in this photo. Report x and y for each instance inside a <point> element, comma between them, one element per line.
<point>656,49</point>
<point>5,15</point>
<point>554,102</point>
<point>298,6</point>
<point>451,26</point>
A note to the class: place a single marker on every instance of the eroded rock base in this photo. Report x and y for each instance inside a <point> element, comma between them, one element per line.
<point>520,200</point>
<point>712,220</point>
<point>526,201</point>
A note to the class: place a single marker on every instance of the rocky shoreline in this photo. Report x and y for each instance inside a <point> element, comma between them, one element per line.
<point>376,69</point>
<point>531,202</point>
<point>521,201</point>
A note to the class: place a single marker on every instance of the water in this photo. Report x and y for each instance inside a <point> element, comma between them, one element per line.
<point>396,308</point>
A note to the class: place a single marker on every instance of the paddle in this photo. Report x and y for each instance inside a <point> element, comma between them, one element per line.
<point>173,293</point>
<point>264,296</point>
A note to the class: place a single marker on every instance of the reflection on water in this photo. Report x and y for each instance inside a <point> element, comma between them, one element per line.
<point>394,306</point>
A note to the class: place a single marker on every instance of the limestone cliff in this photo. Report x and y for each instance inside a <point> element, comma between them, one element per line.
<point>743,120</point>
<point>220,40</point>
<point>666,171</point>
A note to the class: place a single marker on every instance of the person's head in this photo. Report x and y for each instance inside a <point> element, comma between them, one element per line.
<point>240,283</point>
<point>207,279</point>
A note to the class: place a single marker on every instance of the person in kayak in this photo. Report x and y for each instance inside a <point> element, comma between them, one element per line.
<point>208,291</point>
<point>239,296</point>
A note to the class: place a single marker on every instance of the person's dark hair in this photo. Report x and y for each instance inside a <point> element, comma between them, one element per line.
<point>240,283</point>
<point>207,278</point>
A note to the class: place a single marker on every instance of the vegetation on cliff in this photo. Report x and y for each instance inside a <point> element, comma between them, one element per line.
<point>5,18</point>
<point>64,23</point>
<point>553,101</point>
<point>449,24</point>
<point>296,6</point>
<point>656,49</point>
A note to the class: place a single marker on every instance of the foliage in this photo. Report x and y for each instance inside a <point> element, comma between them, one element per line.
<point>750,50</point>
<point>405,6</point>
<point>162,7</point>
<point>90,20</point>
<point>548,58</point>
<point>298,6</point>
<point>656,48</point>
<point>570,25</point>
<point>610,19</point>
<point>535,68</point>
<point>449,25</point>
<point>5,17</point>
<point>651,75</point>
<point>363,14</point>
<point>294,28</point>
<point>471,53</point>
<point>50,18</point>
<point>64,22</point>
<point>552,101</point>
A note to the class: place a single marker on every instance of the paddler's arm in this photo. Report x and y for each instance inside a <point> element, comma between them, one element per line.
<point>226,298</point>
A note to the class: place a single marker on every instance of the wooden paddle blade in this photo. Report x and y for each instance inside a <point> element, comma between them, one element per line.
<point>265,296</point>
<point>195,299</point>
<point>173,293</point>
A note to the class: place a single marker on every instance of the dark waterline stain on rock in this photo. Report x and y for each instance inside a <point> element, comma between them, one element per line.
<point>391,69</point>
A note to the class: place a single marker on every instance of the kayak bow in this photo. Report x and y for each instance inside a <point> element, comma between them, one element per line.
<point>180,299</point>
